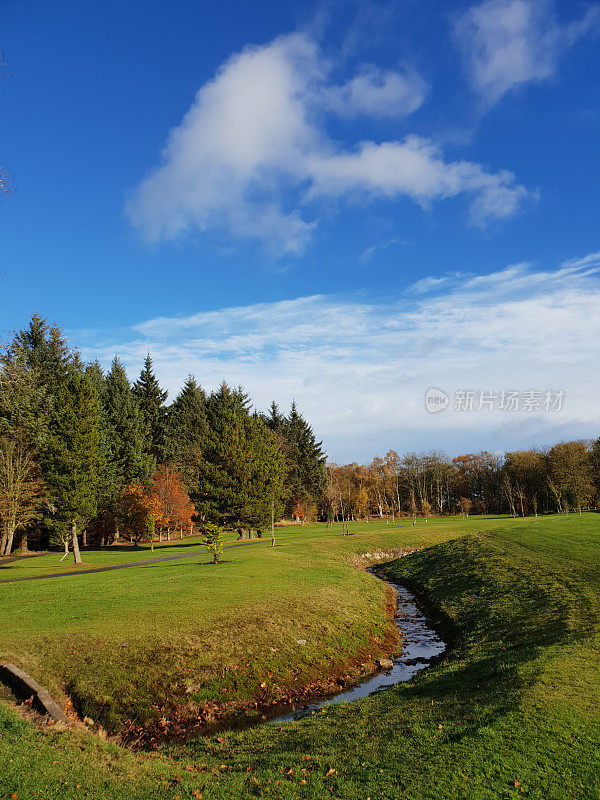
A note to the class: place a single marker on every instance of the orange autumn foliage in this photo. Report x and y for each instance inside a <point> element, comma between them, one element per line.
<point>172,497</point>
<point>139,511</point>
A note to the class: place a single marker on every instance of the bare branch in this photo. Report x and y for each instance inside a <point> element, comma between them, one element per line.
<point>5,187</point>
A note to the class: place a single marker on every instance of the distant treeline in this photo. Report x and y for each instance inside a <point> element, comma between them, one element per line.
<point>83,453</point>
<point>560,478</point>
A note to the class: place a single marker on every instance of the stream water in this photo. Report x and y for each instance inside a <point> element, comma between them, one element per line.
<point>420,645</point>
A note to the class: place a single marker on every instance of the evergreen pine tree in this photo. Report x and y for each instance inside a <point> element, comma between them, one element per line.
<point>269,470</point>
<point>109,484</point>
<point>306,478</point>
<point>126,432</point>
<point>29,346</point>
<point>37,368</point>
<point>242,469</point>
<point>23,406</point>
<point>187,431</point>
<point>70,458</point>
<point>275,419</point>
<point>237,400</point>
<point>43,358</point>
<point>151,403</point>
<point>43,348</point>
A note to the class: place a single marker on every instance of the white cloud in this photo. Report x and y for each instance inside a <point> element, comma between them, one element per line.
<point>252,155</point>
<point>507,43</point>
<point>359,370</point>
<point>415,168</point>
<point>374,92</point>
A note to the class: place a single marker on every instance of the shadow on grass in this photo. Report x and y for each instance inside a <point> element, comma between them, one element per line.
<point>191,564</point>
<point>174,544</point>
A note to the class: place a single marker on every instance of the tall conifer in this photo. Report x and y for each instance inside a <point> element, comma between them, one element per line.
<point>70,458</point>
<point>126,430</point>
<point>151,403</point>
<point>187,431</point>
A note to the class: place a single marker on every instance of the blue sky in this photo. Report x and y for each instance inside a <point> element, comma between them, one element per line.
<point>345,203</point>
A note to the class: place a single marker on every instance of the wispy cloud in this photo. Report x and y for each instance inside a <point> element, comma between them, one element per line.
<point>508,43</point>
<point>378,247</point>
<point>360,369</point>
<point>253,155</point>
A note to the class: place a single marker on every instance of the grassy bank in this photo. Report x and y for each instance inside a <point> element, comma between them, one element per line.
<point>513,711</point>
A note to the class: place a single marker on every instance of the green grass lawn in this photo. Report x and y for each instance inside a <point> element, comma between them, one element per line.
<point>513,711</point>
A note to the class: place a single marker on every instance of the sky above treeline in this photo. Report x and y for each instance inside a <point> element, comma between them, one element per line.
<point>347,204</point>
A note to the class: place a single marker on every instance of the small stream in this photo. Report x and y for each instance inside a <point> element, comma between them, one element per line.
<point>420,646</point>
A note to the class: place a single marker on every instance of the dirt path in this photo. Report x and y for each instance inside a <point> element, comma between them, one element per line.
<point>141,562</point>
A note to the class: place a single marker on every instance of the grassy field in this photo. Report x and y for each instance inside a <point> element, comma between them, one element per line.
<point>164,641</point>
<point>514,710</point>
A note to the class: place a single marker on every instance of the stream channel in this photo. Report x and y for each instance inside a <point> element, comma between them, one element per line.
<point>420,646</point>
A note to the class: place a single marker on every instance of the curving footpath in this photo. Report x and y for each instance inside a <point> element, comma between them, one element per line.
<point>142,562</point>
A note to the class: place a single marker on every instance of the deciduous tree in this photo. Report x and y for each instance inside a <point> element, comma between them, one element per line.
<point>21,487</point>
<point>167,486</point>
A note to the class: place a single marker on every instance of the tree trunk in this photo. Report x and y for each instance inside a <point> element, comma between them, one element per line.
<point>191,530</point>
<point>181,531</point>
<point>160,536</point>
<point>84,538</point>
<point>76,554</point>
<point>168,534</point>
<point>3,542</point>
<point>273,520</point>
<point>24,543</point>
<point>9,543</point>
